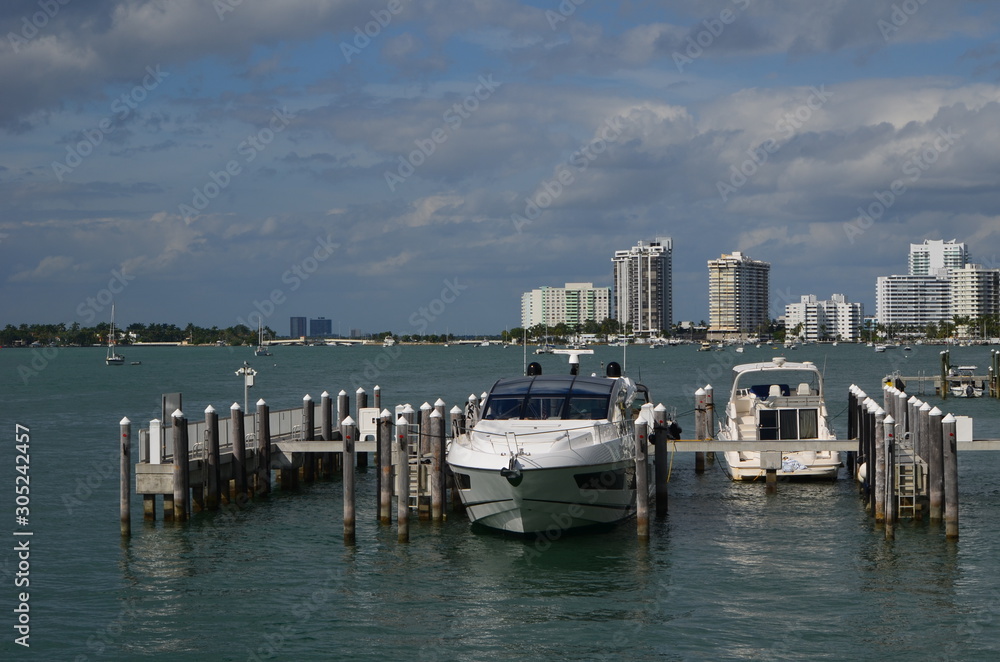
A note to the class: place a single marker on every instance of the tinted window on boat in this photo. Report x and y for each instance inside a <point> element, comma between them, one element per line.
<point>587,408</point>
<point>601,480</point>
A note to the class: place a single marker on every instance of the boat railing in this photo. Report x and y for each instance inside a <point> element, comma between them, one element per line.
<point>585,435</point>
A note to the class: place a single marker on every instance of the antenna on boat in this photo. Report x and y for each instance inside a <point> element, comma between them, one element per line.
<point>524,347</point>
<point>574,358</point>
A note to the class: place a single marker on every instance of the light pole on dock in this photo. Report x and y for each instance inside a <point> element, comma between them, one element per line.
<point>248,374</point>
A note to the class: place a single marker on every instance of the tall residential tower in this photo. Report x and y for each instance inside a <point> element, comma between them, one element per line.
<point>643,287</point>
<point>738,293</point>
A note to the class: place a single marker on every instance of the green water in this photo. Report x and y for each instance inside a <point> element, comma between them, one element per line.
<point>729,574</point>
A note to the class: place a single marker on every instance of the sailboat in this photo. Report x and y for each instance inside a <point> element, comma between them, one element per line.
<point>113,358</point>
<point>262,349</point>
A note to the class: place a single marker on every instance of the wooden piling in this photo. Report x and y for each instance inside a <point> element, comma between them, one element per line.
<point>891,512</point>
<point>125,491</point>
<point>770,481</point>
<point>660,464</point>
<point>181,465</point>
<point>935,465</point>
<point>377,397</point>
<point>436,433</point>
<point>950,466</point>
<point>709,419</point>
<point>457,428</point>
<point>699,428</point>
<point>361,401</point>
<point>343,411</point>
<point>385,467</point>
<point>641,481</point>
<point>214,467</point>
<point>264,446</point>
<point>423,472</point>
<point>880,466</point>
<point>402,481</point>
<point>326,431</point>
<point>945,367</point>
<point>309,434</point>
<point>239,442</point>
<point>349,433</point>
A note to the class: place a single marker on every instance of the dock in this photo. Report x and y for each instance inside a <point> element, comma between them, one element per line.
<point>988,384</point>
<point>900,450</point>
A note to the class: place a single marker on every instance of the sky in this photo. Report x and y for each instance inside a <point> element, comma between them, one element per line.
<point>418,166</point>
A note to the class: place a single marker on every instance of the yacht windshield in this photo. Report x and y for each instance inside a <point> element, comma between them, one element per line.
<point>542,398</point>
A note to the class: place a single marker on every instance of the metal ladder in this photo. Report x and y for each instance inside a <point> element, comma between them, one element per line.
<point>418,471</point>
<point>909,477</point>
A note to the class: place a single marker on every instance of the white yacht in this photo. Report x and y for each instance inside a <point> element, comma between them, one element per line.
<point>778,400</point>
<point>551,452</point>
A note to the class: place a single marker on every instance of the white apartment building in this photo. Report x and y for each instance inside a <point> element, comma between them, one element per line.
<point>738,293</point>
<point>975,291</point>
<point>643,286</point>
<point>834,319</point>
<point>574,304</point>
<point>935,257</point>
<point>912,300</point>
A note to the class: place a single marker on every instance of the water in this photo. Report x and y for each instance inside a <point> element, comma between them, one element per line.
<point>729,574</point>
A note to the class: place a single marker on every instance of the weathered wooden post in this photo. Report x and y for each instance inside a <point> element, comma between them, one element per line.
<point>923,445</point>
<point>308,434</point>
<point>709,419</point>
<point>851,430</point>
<point>641,481</point>
<point>239,441</point>
<point>181,465</point>
<point>385,467</point>
<point>349,433</point>
<point>935,465</point>
<point>361,400</point>
<point>125,488</point>
<point>263,447</point>
<point>699,429</point>
<point>343,411</point>
<point>436,433</point>
<point>660,463</point>
<point>457,428</point>
<point>950,464</point>
<point>945,367</point>
<point>377,397</point>
<point>214,467</point>
<point>423,472</point>
<point>880,467</point>
<point>891,513</point>
<point>403,481</point>
<point>326,431</point>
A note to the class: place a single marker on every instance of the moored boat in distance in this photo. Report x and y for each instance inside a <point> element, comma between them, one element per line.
<point>551,451</point>
<point>113,357</point>
<point>962,382</point>
<point>780,401</point>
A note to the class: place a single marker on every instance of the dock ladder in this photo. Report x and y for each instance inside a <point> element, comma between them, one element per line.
<point>910,472</point>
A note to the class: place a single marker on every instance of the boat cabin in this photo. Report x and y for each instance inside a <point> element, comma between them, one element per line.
<point>552,397</point>
<point>777,401</point>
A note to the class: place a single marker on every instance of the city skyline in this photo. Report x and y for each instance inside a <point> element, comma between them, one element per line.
<point>419,167</point>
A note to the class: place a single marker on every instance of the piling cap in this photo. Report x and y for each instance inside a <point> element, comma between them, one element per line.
<point>401,421</point>
<point>347,421</point>
<point>361,389</point>
<point>261,402</point>
<point>700,392</point>
<point>407,408</point>
<point>435,414</point>
<point>376,388</point>
<point>342,392</point>
<point>124,421</point>
<point>385,413</point>
<point>936,412</point>
<point>472,397</point>
<point>708,388</point>
<point>324,394</point>
<point>177,413</point>
<point>948,418</point>
<point>439,403</point>
<point>235,406</point>
<point>660,407</point>
<point>455,410</point>
<point>426,406</point>
<point>889,420</point>
<point>306,398</point>
<point>210,409</point>
<point>925,407</point>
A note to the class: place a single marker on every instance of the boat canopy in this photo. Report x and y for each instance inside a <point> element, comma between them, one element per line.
<point>547,397</point>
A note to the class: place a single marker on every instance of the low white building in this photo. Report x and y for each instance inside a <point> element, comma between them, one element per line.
<point>833,319</point>
<point>574,304</point>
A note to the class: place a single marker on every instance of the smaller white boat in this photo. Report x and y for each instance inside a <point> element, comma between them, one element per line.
<point>388,341</point>
<point>962,382</point>
<point>113,357</point>
<point>778,401</point>
<point>262,349</point>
